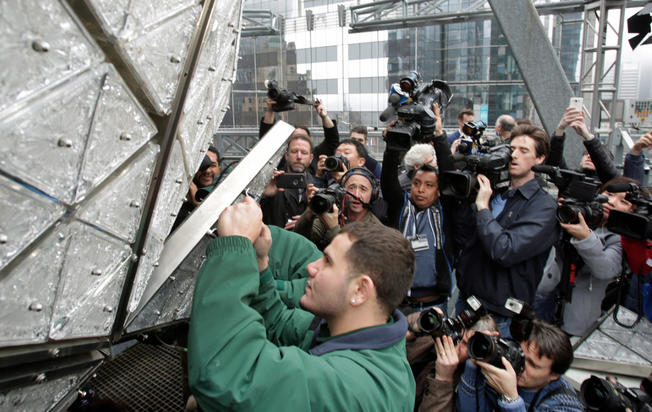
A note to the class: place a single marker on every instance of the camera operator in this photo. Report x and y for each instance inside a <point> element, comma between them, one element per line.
<point>204,181</point>
<point>504,126</point>
<point>634,166</point>
<point>331,135</point>
<point>505,239</point>
<point>540,387</point>
<point>361,188</point>
<point>350,153</point>
<point>360,134</point>
<point>464,116</point>
<point>438,378</point>
<point>248,352</point>
<point>421,217</point>
<point>600,261</point>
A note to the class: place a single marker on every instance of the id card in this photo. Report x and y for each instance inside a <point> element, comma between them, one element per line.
<point>419,243</point>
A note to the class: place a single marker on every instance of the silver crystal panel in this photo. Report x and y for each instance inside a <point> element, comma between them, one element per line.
<point>76,131</point>
<point>28,291</point>
<point>91,283</point>
<point>42,45</point>
<point>146,264</point>
<point>24,215</point>
<point>43,396</point>
<point>119,206</point>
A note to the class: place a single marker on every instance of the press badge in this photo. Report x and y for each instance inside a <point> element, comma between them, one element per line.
<point>419,243</point>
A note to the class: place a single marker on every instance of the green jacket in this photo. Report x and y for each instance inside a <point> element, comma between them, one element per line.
<point>235,361</point>
<point>288,258</point>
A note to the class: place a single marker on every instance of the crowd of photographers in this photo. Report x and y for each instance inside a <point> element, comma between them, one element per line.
<point>533,247</point>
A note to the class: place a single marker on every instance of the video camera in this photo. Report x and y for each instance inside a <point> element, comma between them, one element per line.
<point>411,100</point>
<point>491,349</point>
<point>285,100</point>
<point>599,394</point>
<point>489,156</point>
<point>324,199</point>
<point>637,225</point>
<point>433,323</point>
<point>581,195</point>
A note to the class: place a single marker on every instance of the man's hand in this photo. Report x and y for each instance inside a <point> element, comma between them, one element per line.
<point>502,380</point>
<point>570,115</point>
<point>243,219</point>
<point>290,224</point>
<point>642,143</point>
<point>271,189</point>
<point>192,191</point>
<point>580,230</point>
<point>323,113</point>
<point>388,128</point>
<point>311,190</point>
<point>412,318</point>
<point>269,113</point>
<point>321,169</point>
<point>330,218</point>
<point>484,193</point>
<point>262,246</point>
<point>447,360</point>
<point>580,128</point>
<point>439,130</point>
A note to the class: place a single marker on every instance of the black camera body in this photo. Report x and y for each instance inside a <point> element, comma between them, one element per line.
<point>416,120</point>
<point>581,194</point>
<point>433,323</point>
<point>324,199</point>
<point>336,163</point>
<point>284,99</point>
<point>599,394</point>
<point>492,158</point>
<point>637,225</point>
<point>491,349</point>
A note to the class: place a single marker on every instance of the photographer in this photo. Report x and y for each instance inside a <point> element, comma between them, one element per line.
<point>422,218</point>
<point>540,387</point>
<point>361,188</point>
<point>505,239</point>
<point>360,134</point>
<point>331,135</point>
<point>248,352</point>
<point>600,261</point>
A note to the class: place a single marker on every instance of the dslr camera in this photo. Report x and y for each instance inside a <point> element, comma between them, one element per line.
<point>581,195</point>
<point>637,225</point>
<point>324,199</point>
<point>599,394</point>
<point>285,100</point>
<point>489,156</point>
<point>491,349</point>
<point>412,101</point>
<point>336,163</point>
<point>433,323</point>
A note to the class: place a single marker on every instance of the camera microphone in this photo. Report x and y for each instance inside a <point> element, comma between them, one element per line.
<point>549,170</point>
<point>390,111</point>
<point>620,187</point>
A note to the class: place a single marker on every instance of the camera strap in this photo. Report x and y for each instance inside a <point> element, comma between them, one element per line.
<point>558,390</point>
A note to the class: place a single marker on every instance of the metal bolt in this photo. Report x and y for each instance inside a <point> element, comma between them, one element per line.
<point>54,353</point>
<point>158,313</point>
<point>125,136</point>
<point>143,252</point>
<point>178,181</point>
<point>35,307</point>
<point>3,239</point>
<point>64,142</point>
<point>155,264</point>
<point>61,236</point>
<point>134,203</point>
<point>134,257</point>
<point>173,214</point>
<point>236,31</point>
<point>172,278</point>
<point>181,292</point>
<point>175,59</point>
<point>40,378</point>
<point>211,68</point>
<point>200,122</point>
<point>209,117</point>
<point>231,24</point>
<point>40,46</point>
<point>108,308</point>
<point>96,272</point>
<point>224,79</point>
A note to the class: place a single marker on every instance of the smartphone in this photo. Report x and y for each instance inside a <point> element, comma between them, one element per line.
<point>576,102</point>
<point>291,181</point>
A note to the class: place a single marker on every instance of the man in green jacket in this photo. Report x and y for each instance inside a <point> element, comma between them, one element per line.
<point>347,354</point>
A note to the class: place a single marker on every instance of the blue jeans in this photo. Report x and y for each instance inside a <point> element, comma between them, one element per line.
<point>443,306</point>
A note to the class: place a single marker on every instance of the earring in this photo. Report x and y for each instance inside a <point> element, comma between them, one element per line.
<point>352,300</point>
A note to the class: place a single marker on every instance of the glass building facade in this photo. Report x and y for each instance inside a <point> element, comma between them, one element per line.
<point>352,72</point>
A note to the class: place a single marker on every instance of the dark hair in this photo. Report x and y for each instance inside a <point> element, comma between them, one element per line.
<point>524,122</point>
<point>463,112</point>
<point>213,149</point>
<point>385,255</point>
<point>553,343</point>
<point>362,152</point>
<point>424,168</point>
<point>361,130</point>
<point>620,179</point>
<point>302,127</point>
<point>540,137</point>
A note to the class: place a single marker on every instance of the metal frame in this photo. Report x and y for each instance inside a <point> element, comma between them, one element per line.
<point>260,23</point>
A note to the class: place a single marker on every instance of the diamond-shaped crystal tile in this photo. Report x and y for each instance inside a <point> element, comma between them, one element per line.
<point>146,265</point>
<point>24,215</point>
<point>42,45</point>
<point>119,206</point>
<point>91,283</point>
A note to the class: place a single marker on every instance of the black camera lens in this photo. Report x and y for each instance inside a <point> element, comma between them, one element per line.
<point>481,347</point>
<point>430,322</point>
<point>567,214</point>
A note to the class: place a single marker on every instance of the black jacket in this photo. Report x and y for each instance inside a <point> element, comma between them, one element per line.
<point>604,166</point>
